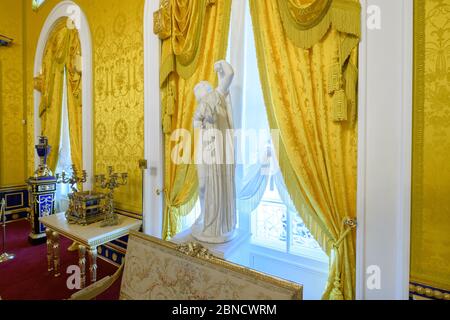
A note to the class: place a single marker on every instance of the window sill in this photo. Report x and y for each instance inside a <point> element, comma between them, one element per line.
<point>313,261</point>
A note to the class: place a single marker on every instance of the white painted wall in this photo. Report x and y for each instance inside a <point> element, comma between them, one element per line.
<point>153,144</point>
<point>384,151</point>
<point>72,10</point>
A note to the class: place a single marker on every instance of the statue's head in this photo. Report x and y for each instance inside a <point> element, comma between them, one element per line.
<point>202,89</point>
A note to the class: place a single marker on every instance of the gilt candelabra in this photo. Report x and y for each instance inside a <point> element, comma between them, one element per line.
<point>113,181</point>
<point>73,179</point>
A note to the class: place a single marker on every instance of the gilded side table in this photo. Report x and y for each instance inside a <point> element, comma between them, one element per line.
<point>88,237</point>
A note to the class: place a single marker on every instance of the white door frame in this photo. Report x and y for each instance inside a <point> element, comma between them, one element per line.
<point>384,151</point>
<point>153,139</point>
<point>72,10</point>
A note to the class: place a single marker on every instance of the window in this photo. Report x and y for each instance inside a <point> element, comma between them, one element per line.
<point>275,240</point>
<point>188,220</point>
<point>278,227</point>
<point>273,224</point>
<point>64,156</point>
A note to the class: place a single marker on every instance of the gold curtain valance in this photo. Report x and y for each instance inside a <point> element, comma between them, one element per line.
<point>181,27</point>
<point>307,21</point>
<point>62,50</point>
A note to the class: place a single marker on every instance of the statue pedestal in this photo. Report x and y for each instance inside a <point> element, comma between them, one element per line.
<point>221,250</point>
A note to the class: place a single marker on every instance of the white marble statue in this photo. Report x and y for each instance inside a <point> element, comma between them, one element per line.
<point>215,159</point>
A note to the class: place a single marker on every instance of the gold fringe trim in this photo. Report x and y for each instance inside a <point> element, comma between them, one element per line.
<point>349,43</point>
<point>343,15</point>
<point>174,214</point>
<point>166,68</point>
<point>339,106</point>
<point>334,78</point>
<point>351,82</point>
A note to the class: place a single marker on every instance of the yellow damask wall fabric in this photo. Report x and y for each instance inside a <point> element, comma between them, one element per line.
<point>190,64</point>
<point>430,240</point>
<point>116,29</point>
<point>13,162</point>
<point>310,96</point>
<point>60,53</point>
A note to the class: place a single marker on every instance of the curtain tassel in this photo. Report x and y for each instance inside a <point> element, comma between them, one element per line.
<point>339,106</point>
<point>348,224</point>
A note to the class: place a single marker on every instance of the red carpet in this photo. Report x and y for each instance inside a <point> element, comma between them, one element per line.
<point>26,277</point>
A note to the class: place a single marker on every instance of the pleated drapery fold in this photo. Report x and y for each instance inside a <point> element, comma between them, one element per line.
<point>62,52</point>
<point>307,57</point>
<point>198,38</point>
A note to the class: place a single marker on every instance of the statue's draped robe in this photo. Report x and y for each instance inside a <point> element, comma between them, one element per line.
<point>215,167</point>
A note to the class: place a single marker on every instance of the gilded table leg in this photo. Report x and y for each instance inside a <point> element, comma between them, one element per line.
<point>82,264</point>
<point>48,232</point>
<point>93,264</point>
<point>56,257</point>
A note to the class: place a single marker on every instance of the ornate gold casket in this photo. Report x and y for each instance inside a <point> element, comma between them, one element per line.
<point>85,207</point>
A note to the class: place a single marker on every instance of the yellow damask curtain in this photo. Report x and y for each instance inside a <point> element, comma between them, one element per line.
<point>61,56</point>
<point>307,57</point>
<point>195,37</point>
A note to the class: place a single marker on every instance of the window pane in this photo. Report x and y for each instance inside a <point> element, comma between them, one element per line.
<point>301,237</point>
<point>187,221</point>
<point>269,225</point>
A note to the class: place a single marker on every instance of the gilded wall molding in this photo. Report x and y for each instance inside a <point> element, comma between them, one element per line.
<point>428,292</point>
<point>430,170</point>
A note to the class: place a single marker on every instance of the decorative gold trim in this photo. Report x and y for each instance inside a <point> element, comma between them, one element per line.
<point>121,241</point>
<point>112,246</point>
<point>297,289</point>
<point>418,105</point>
<point>96,243</point>
<point>13,187</point>
<point>128,213</point>
<point>194,249</point>
<point>431,293</point>
<point>307,25</point>
<point>418,118</point>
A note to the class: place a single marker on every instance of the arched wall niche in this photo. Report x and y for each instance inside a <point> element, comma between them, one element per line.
<point>71,10</point>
